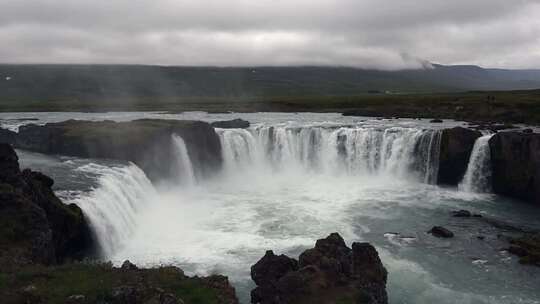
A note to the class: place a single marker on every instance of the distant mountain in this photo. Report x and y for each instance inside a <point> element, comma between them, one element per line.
<point>92,82</point>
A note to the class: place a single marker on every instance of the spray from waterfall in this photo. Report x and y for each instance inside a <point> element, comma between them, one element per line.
<point>113,206</point>
<point>477,178</point>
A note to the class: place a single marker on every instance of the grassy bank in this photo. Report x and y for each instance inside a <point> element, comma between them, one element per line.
<point>102,282</point>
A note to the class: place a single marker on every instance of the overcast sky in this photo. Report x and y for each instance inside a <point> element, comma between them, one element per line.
<point>362,33</point>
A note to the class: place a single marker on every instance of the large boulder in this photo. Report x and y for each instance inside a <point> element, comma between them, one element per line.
<point>148,143</point>
<point>456,147</point>
<point>329,273</point>
<point>515,161</point>
<point>35,226</point>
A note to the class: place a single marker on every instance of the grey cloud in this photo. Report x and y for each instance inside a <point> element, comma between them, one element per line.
<point>363,33</point>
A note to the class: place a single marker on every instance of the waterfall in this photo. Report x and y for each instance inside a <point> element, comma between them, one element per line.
<point>112,207</point>
<point>393,151</point>
<point>477,178</point>
<point>184,169</point>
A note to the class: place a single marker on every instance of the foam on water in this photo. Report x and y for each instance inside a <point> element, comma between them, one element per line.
<point>286,184</point>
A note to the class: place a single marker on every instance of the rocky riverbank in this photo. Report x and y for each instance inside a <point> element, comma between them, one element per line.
<point>36,227</point>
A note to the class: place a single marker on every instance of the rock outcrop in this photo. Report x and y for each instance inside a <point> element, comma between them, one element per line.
<point>35,226</point>
<point>456,147</point>
<point>515,161</point>
<point>7,136</point>
<point>147,143</point>
<point>231,124</point>
<point>329,273</point>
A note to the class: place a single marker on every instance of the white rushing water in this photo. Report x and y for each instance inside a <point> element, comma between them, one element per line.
<point>291,179</point>
<point>477,178</point>
<point>397,151</point>
<point>185,174</point>
<point>115,205</point>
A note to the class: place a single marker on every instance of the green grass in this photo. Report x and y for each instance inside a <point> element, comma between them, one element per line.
<point>504,106</point>
<point>96,282</point>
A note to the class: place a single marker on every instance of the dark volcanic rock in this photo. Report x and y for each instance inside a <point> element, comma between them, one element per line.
<point>35,225</point>
<point>456,147</point>
<point>127,265</point>
<point>527,248</point>
<point>461,213</point>
<point>147,143</point>
<point>272,267</point>
<point>515,161</point>
<point>329,273</point>
<point>441,232</point>
<point>7,136</point>
<point>231,124</point>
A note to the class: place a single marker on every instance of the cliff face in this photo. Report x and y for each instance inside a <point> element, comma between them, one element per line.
<point>147,143</point>
<point>36,227</point>
<point>456,147</point>
<point>515,159</point>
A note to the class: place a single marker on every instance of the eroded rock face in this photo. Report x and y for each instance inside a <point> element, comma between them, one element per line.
<point>456,147</point>
<point>7,136</point>
<point>231,124</point>
<point>36,226</point>
<point>329,273</point>
<point>146,142</point>
<point>515,161</point>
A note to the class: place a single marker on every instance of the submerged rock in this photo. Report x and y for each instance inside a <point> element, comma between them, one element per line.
<point>36,226</point>
<point>441,232</point>
<point>527,248</point>
<point>436,120</point>
<point>329,273</point>
<point>231,124</point>
<point>515,161</point>
<point>461,213</point>
<point>455,150</point>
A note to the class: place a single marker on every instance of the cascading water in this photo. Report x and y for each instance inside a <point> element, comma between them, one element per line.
<point>112,207</point>
<point>285,186</point>
<point>477,178</point>
<point>391,151</point>
<point>184,169</point>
